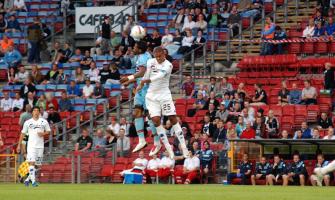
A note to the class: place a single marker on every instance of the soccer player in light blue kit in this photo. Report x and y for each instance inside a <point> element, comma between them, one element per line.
<point>140,49</point>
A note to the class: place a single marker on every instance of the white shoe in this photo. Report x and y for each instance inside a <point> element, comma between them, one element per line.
<point>140,146</point>
<point>155,150</point>
<point>319,176</point>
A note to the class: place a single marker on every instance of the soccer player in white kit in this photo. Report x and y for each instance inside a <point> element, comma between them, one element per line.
<point>159,99</point>
<point>320,172</point>
<point>35,128</point>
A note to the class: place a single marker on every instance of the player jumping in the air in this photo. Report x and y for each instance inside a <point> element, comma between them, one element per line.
<point>159,99</point>
<point>320,172</point>
<point>36,128</point>
<point>140,49</point>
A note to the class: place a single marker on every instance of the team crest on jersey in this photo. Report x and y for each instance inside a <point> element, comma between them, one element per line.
<point>153,68</point>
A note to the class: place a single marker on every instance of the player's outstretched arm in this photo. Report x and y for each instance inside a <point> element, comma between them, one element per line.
<point>132,78</point>
<point>18,148</point>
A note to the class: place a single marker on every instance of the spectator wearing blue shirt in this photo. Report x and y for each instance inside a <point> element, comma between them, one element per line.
<point>279,35</point>
<point>99,141</point>
<point>12,57</point>
<point>13,25</point>
<point>306,133</point>
<point>319,30</point>
<point>206,158</point>
<point>198,105</point>
<point>77,57</point>
<point>296,173</point>
<point>65,103</point>
<point>262,170</point>
<point>73,90</point>
<point>295,95</point>
<point>330,28</point>
<point>243,171</point>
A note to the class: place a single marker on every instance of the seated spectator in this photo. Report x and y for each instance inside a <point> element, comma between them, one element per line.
<point>279,35</point>
<point>6,103</point>
<point>115,75</point>
<point>13,24</point>
<point>151,171</point>
<point>260,129</point>
<point>86,60</point>
<point>319,30</point>
<point>21,76</point>
<point>93,73</point>
<point>19,5</point>
<point>99,141</point>
<point>127,41</point>
<point>5,43</point>
<point>253,9</point>
<point>115,40</point>
<point>178,38</point>
<point>241,91</point>
<point>195,147</point>
<point>54,51</point>
<point>200,89</point>
<point>130,23</point>
<point>73,90</point>
<point>201,23</point>
<point>236,100</point>
<point>41,102</point>
<point>114,126</point>
<point>156,4</point>
<point>198,105</point>
<point>315,134</point>
<point>105,73</point>
<point>191,168</point>
<point>248,133</point>
<point>283,94</point>
<point>321,162</point>
<point>64,103</point>
<point>226,101</point>
<point>330,28</point>
<point>187,42</point>
<point>250,111</point>
<point>262,170</point>
<point>51,100</point>
<point>260,97</point>
<point>84,142</point>
<point>208,128</point>
<point>61,78</point>
<point>53,115</point>
<point>240,126</point>
<point>212,100</point>
<point>214,19</point>
<point>277,170</point>
<point>139,164</point>
<point>98,91</point>
<point>231,132</point>
<point>25,115</point>
<point>167,38</point>
<point>167,56</point>
<point>330,134</point>
<point>329,79</point>
<point>220,134</point>
<point>124,125</point>
<point>36,74</point>
<point>295,95</point>
<point>199,40</point>
<point>225,87</point>
<point>319,18</point>
<point>297,173</point>
<point>51,76</point>
<point>225,15</point>
<point>3,23</point>
<point>123,144</point>
<point>165,167</point>
<point>17,104</point>
<point>309,30</point>
<point>272,125</point>
<point>179,19</point>
<point>267,33</point>
<point>67,53</point>
<point>119,60</point>
<point>96,50</point>
<point>222,113</point>
<point>88,89</point>
<point>111,138</point>
<point>309,94</point>
<point>234,21</point>
<point>305,131</point>
<point>243,171</point>
<point>189,23</point>
<point>213,86</point>
<point>11,76</point>
<point>206,158</point>
<point>26,88</point>
<point>79,76</point>
<point>235,112</point>
<point>324,121</point>
<point>77,57</point>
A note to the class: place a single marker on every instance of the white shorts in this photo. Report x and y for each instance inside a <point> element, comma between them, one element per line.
<point>35,155</point>
<point>160,104</point>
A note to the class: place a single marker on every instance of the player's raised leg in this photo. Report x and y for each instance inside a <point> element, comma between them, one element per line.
<point>179,133</point>
<point>139,126</point>
<point>157,144</point>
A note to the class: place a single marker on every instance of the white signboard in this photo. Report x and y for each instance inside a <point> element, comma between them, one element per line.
<point>87,18</point>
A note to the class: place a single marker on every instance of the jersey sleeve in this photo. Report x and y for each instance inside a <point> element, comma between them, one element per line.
<point>165,70</point>
<point>147,72</point>
<point>25,128</point>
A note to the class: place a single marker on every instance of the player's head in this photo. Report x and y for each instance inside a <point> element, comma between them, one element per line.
<point>296,157</point>
<point>245,157</point>
<point>276,158</point>
<point>36,112</point>
<point>320,158</point>
<point>263,160</point>
<point>159,54</point>
<point>140,47</point>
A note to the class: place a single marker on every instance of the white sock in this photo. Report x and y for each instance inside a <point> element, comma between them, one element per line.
<point>329,168</point>
<point>179,133</point>
<point>161,131</point>
<point>27,179</point>
<point>32,173</point>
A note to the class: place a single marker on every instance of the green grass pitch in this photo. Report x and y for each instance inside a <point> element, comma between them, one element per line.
<point>161,192</point>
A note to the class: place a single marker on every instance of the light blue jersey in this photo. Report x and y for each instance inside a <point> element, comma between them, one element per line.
<point>141,62</point>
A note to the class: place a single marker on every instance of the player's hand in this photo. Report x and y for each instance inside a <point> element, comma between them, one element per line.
<point>123,80</point>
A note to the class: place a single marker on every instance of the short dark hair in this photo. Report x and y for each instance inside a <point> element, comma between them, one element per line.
<point>37,107</point>
<point>142,45</point>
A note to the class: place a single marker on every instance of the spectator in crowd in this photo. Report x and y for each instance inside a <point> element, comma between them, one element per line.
<point>214,19</point>
<point>120,61</point>
<point>188,87</point>
<point>220,133</point>
<point>195,145</point>
<point>330,134</point>
<point>179,19</point>
<point>200,89</point>
<point>213,86</point>
<point>123,144</point>
<point>240,126</point>
<point>268,33</point>
<point>115,75</point>
<point>231,132</point>
<point>36,74</point>
<point>51,76</point>
<point>206,158</point>
<point>88,89</point>
<point>321,162</point>
<point>6,103</point>
<point>93,73</point>
<point>222,113</point>
<point>84,142</point>
<point>73,90</point>
<point>315,134</point>
<point>198,105</point>
<point>65,103</point>
<point>236,100</point>
<point>151,172</point>
<point>99,141</point>
<point>283,94</point>
<point>167,38</point>
<point>53,115</point>
<point>17,104</point>
<point>21,76</point>
<point>105,73</point>
<point>298,135</point>
<point>250,111</point>
<point>201,23</point>
<point>324,121</point>
<point>309,94</point>
<point>234,21</point>
<point>3,23</point>
<point>187,42</point>
<point>25,115</point>
<point>297,173</point>
<point>226,101</point>
<point>277,171</point>
<point>34,37</point>
<point>115,40</point>
<point>295,95</point>
<point>19,5</point>
<point>26,88</point>
<point>11,76</point>
<point>306,132</point>
<point>111,138</point>
<point>243,171</point>
<point>189,23</point>
<point>260,129</point>
<point>272,125</point>
<point>225,87</point>
<point>124,125</point>
<point>212,100</point>
<point>248,132</point>
<point>318,18</point>
<point>262,170</point>
<point>309,30</point>
<point>54,52</point>
<point>139,164</point>
<point>114,126</point>
<point>129,23</point>
<point>13,24</point>
<point>208,128</point>
<point>79,76</point>
<point>96,50</point>
<point>66,54</point>
<point>77,57</point>
<point>199,40</point>
<point>330,28</point>
<point>191,168</point>
<point>86,60</point>
<point>329,79</point>
<point>127,41</point>
<point>260,97</point>
<point>98,91</point>
<point>5,43</point>
<point>41,102</point>
<point>279,35</point>
<point>106,32</point>
<point>166,166</point>
<point>51,100</point>
<point>319,30</point>
<point>61,77</point>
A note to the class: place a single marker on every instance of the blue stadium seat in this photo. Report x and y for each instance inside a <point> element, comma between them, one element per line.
<point>40,87</point>
<point>91,101</point>
<point>99,101</point>
<point>58,94</point>
<point>62,87</point>
<point>7,88</point>
<point>50,87</point>
<point>115,93</point>
<point>17,87</point>
<point>153,11</point>
<point>79,101</point>
<point>79,108</point>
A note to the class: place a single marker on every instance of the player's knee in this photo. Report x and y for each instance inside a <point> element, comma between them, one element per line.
<point>173,119</point>
<point>301,176</point>
<point>253,176</point>
<point>137,113</point>
<point>156,121</point>
<point>326,178</point>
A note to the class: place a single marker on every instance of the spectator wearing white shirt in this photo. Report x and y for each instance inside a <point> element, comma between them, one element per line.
<point>167,38</point>
<point>139,164</point>
<point>93,73</point>
<point>189,23</point>
<point>201,23</point>
<point>114,126</point>
<point>166,166</point>
<point>6,103</point>
<point>309,30</point>
<point>124,125</point>
<point>330,135</point>
<point>123,144</point>
<point>88,89</point>
<point>152,168</point>
<point>18,102</point>
<point>21,75</point>
<point>186,43</point>
<point>191,168</point>
<point>20,6</point>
